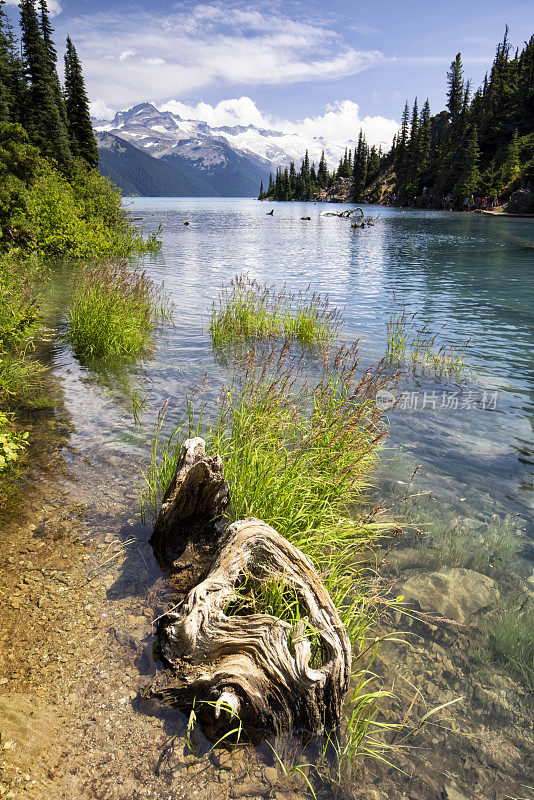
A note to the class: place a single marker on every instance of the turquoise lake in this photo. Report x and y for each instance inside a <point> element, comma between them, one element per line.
<point>467,276</point>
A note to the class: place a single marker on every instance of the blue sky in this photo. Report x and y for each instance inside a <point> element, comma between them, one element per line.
<point>282,63</point>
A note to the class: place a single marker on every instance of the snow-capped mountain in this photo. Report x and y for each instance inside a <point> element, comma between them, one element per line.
<point>216,154</point>
<point>162,133</point>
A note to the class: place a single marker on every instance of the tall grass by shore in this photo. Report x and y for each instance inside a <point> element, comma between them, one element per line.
<point>247,310</point>
<point>114,312</point>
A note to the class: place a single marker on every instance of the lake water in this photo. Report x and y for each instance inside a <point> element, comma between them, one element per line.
<point>470,276</point>
<point>466,275</point>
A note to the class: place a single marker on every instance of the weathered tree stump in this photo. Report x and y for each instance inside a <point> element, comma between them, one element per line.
<point>193,504</point>
<point>252,665</point>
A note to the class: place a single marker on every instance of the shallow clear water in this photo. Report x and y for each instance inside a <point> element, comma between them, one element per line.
<point>470,275</point>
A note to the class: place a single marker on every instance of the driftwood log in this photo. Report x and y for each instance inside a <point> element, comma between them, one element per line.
<point>251,665</point>
<point>347,213</point>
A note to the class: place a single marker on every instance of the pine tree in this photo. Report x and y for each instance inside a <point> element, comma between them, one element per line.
<point>286,186</point>
<point>412,160</point>
<point>455,91</point>
<point>13,88</point>
<point>468,179</point>
<point>5,68</point>
<point>359,170</point>
<point>373,165</point>
<point>44,123</point>
<point>322,172</point>
<point>402,138</point>
<point>47,32</point>
<point>425,138</point>
<point>82,138</point>
<point>511,166</point>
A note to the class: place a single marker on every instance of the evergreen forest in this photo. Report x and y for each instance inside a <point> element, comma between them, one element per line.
<point>53,200</point>
<point>482,144</point>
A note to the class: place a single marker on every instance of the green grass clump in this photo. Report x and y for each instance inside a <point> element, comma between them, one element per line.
<point>12,442</point>
<point>20,374</point>
<point>247,310</point>
<point>509,641</point>
<point>114,312</point>
<point>19,305</point>
<point>296,454</point>
<point>278,599</point>
<point>407,343</point>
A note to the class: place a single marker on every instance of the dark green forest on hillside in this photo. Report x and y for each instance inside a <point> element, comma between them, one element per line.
<point>481,144</point>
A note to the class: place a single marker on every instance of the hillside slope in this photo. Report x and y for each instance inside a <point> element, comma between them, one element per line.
<point>138,173</point>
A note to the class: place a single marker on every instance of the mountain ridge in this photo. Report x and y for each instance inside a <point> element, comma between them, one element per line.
<point>188,146</point>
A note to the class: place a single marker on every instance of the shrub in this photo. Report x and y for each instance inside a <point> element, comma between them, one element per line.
<point>44,211</point>
<point>11,442</point>
<point>114,312</point>
<point>83,218</point>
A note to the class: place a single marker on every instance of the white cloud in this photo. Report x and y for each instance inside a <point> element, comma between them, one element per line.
<point>237,111</point>
<point>209,44</point>
<point>100,110</point>
<point>126,54</point>
<point>54,6</point>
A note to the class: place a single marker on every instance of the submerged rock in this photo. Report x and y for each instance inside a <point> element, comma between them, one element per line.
<point>457,594</point>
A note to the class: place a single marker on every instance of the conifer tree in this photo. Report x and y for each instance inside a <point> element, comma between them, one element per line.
<point>47,32</point>
<point>425,137</point>
<point>455,91</point>
<point>412,160</point>
<point>5,68</point>
<point>402,138</point>
<point>511,164</point>
<point>359,170</point>
<point>43,121</point>
<point>468,178</point>
<point>82,138</point>
<point>373,165</point>
<point>322,172</point>
<point>14,88</point>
